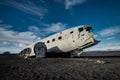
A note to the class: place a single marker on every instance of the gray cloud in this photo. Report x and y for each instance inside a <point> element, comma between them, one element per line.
<point>49,28</point>
<point>10,40</point>
<point>54,27</point>
<point>110,31</point>
<point>105,47</point>
<point>110,38</point>
<point>13,36</point>
<point>70,3</point>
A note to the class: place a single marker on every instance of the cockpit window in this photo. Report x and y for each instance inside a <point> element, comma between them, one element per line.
<point>71,32</point>
<point>80,29</point>
<point>88,28</point>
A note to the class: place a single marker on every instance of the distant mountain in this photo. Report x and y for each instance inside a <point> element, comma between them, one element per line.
<point>6,53</point>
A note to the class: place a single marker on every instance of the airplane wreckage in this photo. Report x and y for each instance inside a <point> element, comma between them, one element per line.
<point>68,42</point>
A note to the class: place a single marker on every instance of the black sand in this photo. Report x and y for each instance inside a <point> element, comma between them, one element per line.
<point>90,66</point>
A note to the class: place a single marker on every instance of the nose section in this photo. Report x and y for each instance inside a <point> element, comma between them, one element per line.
<point>90,41</point>
<point>96,41</point>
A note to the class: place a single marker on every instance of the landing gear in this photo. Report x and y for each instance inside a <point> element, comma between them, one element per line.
<point>76,53</point>
<point>40,50</point>
<point>25,53</point>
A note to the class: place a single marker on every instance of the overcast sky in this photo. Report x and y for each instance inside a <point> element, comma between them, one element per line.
<point>25,21</point>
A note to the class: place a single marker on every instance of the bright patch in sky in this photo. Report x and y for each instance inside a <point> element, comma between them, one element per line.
<point>23,22</point>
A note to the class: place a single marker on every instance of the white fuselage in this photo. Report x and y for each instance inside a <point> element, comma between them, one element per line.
<point>67,40</point>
